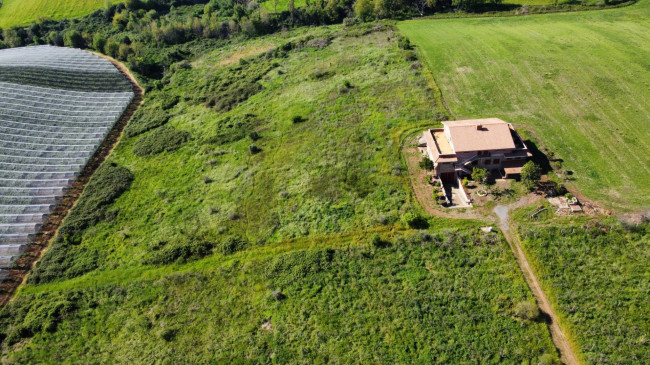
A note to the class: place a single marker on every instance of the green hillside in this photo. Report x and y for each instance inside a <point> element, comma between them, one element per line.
<point>314,211</point>
<point>21,12</point>
<point>576,80</point>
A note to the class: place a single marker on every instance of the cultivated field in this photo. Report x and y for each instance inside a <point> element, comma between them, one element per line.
<point>56,107</point>
<point>21,12</point>
<point>579,81</point>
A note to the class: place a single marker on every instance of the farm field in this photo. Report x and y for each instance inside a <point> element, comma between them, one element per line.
<point>21,12</point>
<point>596,274</point>
<point>578,81</point>
<point>57,105</point>
<point>312,204</point>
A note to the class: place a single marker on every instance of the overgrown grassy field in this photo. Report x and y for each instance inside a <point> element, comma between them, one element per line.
<point>424,297</point>
<point>596,274</point>
<point>578,81</point>
<point>183,266</point>
<point>21,12</point>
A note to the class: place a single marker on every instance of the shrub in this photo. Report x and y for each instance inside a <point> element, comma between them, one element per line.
<point>146,119</point>
<point>254,149</point>
<point>530,174</point>
<point>480,175</point>
<point>167,100</point>
<point>548,359</point>
<point>426,163</point>
<point>322,74</point>
<point>183,250</point>
<point>160,140</point>
<point>231,245</point>
<point>347,84</point>
<point>410,56</point>
<point>254,136</point>
<point>297,119</point>
<point>376,241</point>
<point>415,221</point>
<point>465,181</point>
<point>527,310</point>
<point>404,43</point>
<point>277,295</point>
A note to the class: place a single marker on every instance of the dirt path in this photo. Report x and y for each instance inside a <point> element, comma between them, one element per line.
<point>561,343</point>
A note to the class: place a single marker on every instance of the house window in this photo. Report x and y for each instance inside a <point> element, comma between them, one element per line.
<point>474,163</point>
<point>495,161</point>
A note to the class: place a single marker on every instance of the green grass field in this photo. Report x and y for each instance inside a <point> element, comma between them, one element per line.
<point>578,81</point>
<point>22,12</point>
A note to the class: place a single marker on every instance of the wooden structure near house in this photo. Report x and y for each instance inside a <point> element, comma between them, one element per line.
<point>461,145</point>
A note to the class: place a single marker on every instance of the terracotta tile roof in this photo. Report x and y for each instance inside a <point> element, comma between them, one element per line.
<point>479,135</point>
<point>441,153</point>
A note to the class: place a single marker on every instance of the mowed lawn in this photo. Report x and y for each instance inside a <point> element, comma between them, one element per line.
<point>579,81</point>
<point>22,12</point>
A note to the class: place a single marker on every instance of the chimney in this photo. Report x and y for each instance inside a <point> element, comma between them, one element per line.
<point>479,127</point>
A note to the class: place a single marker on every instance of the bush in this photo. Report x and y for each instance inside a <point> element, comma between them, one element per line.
<point>548,359</point>
<point>377,242</point>
<point>410,56</point>
<point>426,163</point>
<point>179,251</point>
<point>415,221</point>
<point>162,139</point>
<point>254,136</point>
<point>530,174</point>
<point>404,43</point>
<point>480,175</point>
<point>297,119</point>
<point>254,149</point>
<point>231,245</point>
<point>527,310</point>
<point>146,119</point>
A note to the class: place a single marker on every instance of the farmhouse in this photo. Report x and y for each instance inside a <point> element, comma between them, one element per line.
<point>461,145</point>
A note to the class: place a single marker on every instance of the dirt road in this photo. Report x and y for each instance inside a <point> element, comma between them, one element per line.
<point>561,343</point>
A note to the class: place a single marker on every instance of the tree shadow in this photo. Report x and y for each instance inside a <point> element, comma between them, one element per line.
<point>539,157</point>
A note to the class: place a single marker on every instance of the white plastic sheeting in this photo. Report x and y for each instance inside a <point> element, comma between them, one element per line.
<point>47,136</point>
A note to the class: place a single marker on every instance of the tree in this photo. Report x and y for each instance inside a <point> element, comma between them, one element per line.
<point>112,47</point>
<point>363,9</point>
<point>73,39</point>
<point>530,174</point>
<point>480,175</point>
<point>99,42</point>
